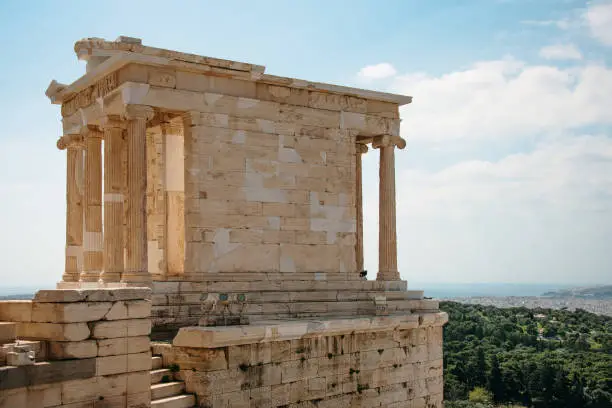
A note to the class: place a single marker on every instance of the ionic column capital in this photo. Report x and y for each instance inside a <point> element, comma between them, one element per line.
<point>70,141</point>
<point>112,122</point>
<point>361,148</point>
<point>138,112</point>
<point>91,132</point>
<point>388,141</point>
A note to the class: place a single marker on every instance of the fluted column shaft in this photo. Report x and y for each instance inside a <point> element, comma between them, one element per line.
<point>73,144</point>
<point>113,200</point>
<point>387,237</point>
<point>92,235</point>
<point>360,149</point>
<point>136,268</point>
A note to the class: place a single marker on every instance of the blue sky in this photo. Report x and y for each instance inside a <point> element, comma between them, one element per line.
<point>507,176</point>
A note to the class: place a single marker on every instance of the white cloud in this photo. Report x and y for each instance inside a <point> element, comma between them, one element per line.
<point>539,216</point>
<point>563,24</point>
<point>599,20</point>
<point>561,52</point>
<point>378,71</point>
<point>542,215</point>
<point>504,99</point>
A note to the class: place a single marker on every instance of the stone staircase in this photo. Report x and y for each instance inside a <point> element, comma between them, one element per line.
<point>166,391</point>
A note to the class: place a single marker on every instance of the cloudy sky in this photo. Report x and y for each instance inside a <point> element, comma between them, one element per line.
<point>507,175</point>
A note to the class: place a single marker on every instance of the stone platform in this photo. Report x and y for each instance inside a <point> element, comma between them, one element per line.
<point>386,361</point>
<point>181,303</point>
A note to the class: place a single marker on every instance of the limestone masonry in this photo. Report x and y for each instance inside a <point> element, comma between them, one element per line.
<point>227,203</point>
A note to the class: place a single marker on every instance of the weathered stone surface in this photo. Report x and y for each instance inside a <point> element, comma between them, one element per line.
<point>8,331</point>
<point>46,373</point>
<point>120,328</point>
<point>123,345</point>
<point>131,309</point>
<point>91,295</point>
<point>53,331</point>
<point>69,312</point>
<point>16,310</point>
<point>124,363</point>
<point>65,350</point>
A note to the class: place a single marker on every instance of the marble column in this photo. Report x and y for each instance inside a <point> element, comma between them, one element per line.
<point>387,237</point>
<point>136,268</point>
<point>92,235</point>
<point>113,200</point>
<point>360,150</point>
<point>73,144</point>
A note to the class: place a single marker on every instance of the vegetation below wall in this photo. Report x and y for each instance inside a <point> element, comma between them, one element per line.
<point>529,357</point>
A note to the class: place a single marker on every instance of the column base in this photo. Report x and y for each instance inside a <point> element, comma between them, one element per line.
<point>110,277</point>
<point>70,277</point>
<point>388,276</point>
<point>137,278</point>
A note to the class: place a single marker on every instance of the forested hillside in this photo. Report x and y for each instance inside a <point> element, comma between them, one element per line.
<point>533,358</point>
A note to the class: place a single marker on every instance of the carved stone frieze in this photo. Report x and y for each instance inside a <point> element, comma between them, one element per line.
<point>223,309</point>
<point>88,95</point>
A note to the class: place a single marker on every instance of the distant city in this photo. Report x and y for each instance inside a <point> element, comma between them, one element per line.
<point>594,299</point>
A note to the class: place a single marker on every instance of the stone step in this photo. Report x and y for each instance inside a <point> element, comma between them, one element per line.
<point>8,331</point>
<point>156,363</point>
<point>292,296</point>
<point>253,284</point>
<point>165,390</point>
<point>330,308</point>
<point>158,375</point>
<point>179,401</point>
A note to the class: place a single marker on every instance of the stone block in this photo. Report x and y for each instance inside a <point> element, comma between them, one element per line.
<point>138,400</point>
<point>317,388</point>
<point>261,397</point>
<point>249,258</point>
<point>65,350</point>
<point>123,345</point>
<point>201,359</point>
<point>246,236</point>
<point>16,310</point>
<point>192,81</point>
<point>297,370</point>
<point>299,258</point>
<point>46,373</point>
<point>8,332</point>
<point>280,394</point>
<point>139,362</point>
<point>91,295</point>
<point>162,78</point>
<point>120,328</point>
<point>139,381</point>
<point>310,117</point>
<point>53,331</point>
<point>80,390</point>
<point>130,309</point>
<point>133,73</point>
<point>124,363</point>
<point>69,312</point>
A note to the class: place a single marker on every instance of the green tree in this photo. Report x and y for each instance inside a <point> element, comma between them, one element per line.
<point>496,383</point>
<point>481,395</point>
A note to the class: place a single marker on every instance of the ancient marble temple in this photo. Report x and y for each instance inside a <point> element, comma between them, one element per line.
<point>236,196</point>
